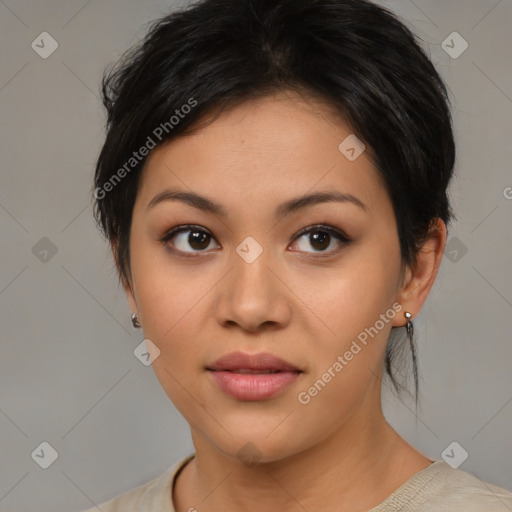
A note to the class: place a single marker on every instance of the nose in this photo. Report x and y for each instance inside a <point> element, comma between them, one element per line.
<point>252,296</point>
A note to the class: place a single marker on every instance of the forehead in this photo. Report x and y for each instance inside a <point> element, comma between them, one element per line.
<point>264,149</point>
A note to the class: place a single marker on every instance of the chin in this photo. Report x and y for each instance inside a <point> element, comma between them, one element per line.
<point>253,445</point>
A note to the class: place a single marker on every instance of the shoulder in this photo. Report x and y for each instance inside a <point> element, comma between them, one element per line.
<point>440,488</point>
<point>154,495</point>
<point>459,490</point>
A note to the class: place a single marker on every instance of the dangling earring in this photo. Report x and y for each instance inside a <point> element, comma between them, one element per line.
<point>409,327</point>
<point>410,335</point>
<point>135,321</point>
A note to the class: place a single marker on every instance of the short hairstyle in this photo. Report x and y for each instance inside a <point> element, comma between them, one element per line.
<point>354,55</point>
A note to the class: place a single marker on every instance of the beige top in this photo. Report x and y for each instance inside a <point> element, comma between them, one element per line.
<point>437,488</point>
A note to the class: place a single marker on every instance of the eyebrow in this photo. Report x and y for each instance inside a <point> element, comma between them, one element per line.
<point>208,205</point>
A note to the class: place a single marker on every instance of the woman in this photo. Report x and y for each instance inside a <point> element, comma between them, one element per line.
<point>273,185</point>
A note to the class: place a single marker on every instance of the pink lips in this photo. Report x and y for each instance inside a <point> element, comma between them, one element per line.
<point>252,377</point>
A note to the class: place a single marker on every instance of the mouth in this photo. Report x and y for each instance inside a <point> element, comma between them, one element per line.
<point>253,377</point>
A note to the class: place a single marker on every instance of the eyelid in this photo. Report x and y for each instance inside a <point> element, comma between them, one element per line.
<point>338,233</point>
<point>179,229</point>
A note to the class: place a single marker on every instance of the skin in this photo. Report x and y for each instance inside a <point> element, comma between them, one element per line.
<point>301,303</point>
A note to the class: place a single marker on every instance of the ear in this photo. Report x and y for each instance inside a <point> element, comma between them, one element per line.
<point>125,281</point>
<point>419,279</point>
<point>130,296</point>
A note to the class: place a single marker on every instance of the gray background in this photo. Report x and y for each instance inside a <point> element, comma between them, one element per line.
<point>68,375</point>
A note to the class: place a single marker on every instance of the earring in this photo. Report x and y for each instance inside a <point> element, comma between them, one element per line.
<point>409,327</point>
<point>410,336</point>
<point>135,321</point>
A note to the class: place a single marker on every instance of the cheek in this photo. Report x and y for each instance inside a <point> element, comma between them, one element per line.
<point>347,357</point>
<point>171,309</point>
<point>165,297</point>
<point>353,295</point>
<point>165,291</point>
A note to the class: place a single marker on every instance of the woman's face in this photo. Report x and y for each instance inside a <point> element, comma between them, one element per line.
<point>244,279</point>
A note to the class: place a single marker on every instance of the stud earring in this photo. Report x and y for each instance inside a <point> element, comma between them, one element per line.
<point>135,321</point>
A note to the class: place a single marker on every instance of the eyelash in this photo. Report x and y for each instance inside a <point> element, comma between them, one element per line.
<point>334,232</point>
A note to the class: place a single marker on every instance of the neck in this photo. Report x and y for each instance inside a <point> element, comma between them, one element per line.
<point>355,468</point>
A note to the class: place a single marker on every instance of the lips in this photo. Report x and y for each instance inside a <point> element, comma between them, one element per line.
<point>255,377</point>
<point>238,362</point>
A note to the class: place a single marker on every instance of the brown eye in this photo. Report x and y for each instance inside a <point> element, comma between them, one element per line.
<point>320,238</point>
<point>188,239</point>
<point>198,240</point>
